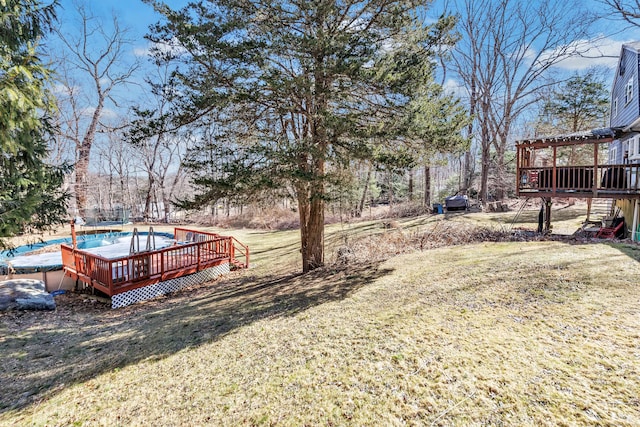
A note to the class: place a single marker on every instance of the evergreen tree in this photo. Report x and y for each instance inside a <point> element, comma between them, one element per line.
<point>30,194</point>
<point>299,90</point>
<point>580,103</point>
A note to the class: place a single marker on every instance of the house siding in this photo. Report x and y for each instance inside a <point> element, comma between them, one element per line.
<point>619,150</point>
<point>626,115</point>
<point>627,112</point>
<point>626,211</point>
<point>616,147</point>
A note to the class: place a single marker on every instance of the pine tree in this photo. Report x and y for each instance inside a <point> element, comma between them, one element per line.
<point>298,91</point>
<point>580,103</point>
<point>30,194</point>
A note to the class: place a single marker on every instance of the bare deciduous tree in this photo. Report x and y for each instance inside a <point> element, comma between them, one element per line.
<point>117,164</point>
<point>504,59</point>
<point>158,146</point>
<point>627,10</point>
<point>95,54</point>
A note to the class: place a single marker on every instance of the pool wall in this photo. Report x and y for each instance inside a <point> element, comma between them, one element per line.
<point>53,280</point>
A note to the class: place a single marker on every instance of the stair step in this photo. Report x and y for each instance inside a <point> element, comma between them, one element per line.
<point>600,208</point>
<point>236,264</point>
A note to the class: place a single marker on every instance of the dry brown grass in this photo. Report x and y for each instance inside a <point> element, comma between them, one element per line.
<point>396,240</point>
<point>491,333</point>
<point>508,333</point>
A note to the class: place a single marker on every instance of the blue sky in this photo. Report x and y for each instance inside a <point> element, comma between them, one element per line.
<point>137,16</point>
<point>134,15</point>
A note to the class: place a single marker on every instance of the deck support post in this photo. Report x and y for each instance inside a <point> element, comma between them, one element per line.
<point>595,169</point>
<point>547,214</point>
<point>554,172</point>
<point>635,220</point>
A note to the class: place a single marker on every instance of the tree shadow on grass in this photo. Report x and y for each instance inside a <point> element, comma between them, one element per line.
<point>530,216</point>
<point>44,353</point>
<point>631,250</point>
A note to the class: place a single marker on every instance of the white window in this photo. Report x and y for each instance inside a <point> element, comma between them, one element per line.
<point>634,148</point>
<point>613,155</point>
<point>628,91</point>
<point>614,108</point>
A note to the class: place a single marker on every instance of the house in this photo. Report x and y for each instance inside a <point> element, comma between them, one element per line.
<point>625,105</point>
<point>602,164</point>
<point>625,117</point>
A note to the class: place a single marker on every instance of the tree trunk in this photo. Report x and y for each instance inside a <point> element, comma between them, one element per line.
<point>110,191</point>
<point>166,202</point>
<point>410,190</point>
<point>311,211</point>
<point>315,237</point>
<point>484,175</point>
<point>155,205</point>
<point>500,171</point>
<point>485,156</point>
<point>148,199</point>
<point>84,151</point>
<point>82,180</point>
<point>302,194</point>
<point>390,189</point>
<point>468,158</point>
<point>364,193</point>
<point>427,186</point>
<point>468,172</point>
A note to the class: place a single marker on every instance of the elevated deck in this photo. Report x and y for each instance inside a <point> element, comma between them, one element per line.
<point>600,181</point>
<point>574,166</point>
<point>193,252</point>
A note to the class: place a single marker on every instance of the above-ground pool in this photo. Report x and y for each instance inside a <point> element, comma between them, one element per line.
<point>47,266</point>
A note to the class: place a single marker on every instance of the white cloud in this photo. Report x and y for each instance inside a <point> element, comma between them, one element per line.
<point>107,113</point>
<point>601,51</point>
<point>141,51</point>
<point>60,89</point>
<point>455,88</point>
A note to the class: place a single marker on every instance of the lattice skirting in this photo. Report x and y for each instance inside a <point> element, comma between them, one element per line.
<point>161,288</point>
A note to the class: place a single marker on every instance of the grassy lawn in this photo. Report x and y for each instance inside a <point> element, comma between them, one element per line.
<point>507,333</point>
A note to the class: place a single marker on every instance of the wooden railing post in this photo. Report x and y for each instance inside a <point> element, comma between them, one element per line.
<point>110,277</point>
<point>198,256</point>
<point>554,175</point>
<point>595,169</point>
<point>518,173</point>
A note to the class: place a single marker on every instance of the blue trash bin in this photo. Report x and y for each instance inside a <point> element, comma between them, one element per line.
<point>437,208</point>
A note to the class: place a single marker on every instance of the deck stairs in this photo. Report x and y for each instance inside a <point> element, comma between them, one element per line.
<point>599,209</point>
<point>240,255</point>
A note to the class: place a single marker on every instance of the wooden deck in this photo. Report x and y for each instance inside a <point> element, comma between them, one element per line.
<point>574,166</point>
<point>194,251</point>
<point>601,181</point>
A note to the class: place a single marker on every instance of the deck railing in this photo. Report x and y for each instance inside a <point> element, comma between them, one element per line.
<point>601,180</point>
<point>194,251</point>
